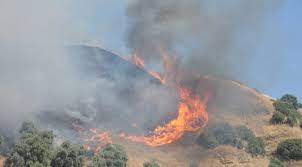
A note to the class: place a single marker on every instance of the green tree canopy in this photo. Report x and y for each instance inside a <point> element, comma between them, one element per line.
<point>33,149</point>
<point>112,155</point>
<point>69,155</point>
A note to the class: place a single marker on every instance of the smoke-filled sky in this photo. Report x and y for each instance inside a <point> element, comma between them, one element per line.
<point>256,42</point>
<point>274,54</point>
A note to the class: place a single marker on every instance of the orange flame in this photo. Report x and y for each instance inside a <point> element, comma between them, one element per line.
<point>192,113</point>
<point>191,117</point>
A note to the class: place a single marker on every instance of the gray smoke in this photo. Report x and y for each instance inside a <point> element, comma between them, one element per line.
<point>33,67</point>
<point>211,37</point>
<point>41,79</point>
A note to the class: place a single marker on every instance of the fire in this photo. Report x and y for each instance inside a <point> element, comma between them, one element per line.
<point>95,139</point>
<point>139,62</point>
<point>191,117</point>
<point>136,60</point>
<point>192,114</point>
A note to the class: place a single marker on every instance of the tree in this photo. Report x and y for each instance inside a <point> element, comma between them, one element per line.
<point>274,162</point>
<point>69,155</point>
<point>33,149</point>
<point>152,163</point>
<point>278,118</point>
<point>112,155</point>
<point>283,107</point>
<point>256,146</point>
<point>290,149</point>
<point>290,99</point>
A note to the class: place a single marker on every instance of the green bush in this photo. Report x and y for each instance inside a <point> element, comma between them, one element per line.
<point>111,155</point>
<point>290,99</point>
<point>219,134</point>
<point>283,107</point>
<point>245,133</point>
<point>152,163</point>
<point>274,162</point>
<point>33,149</point>
<point>278,118</point>
<point>255,146</point>
<point>224,134</point>
<point>69,155</point>
<point>287,106</point>
<point>290,149</point>
<point>294,118</point>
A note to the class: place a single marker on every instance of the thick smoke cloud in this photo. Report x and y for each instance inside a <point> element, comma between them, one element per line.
<point>211,37</point>
<point>42,82</point>
<point>34,71</point>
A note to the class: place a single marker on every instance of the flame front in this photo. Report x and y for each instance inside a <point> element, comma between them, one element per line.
<point>191,117</point>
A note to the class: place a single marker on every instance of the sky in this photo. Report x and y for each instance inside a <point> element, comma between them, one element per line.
<point>104,23</point>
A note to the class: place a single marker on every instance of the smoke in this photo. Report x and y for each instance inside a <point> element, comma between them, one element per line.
<point>210,37</point>
<point>34,70</point>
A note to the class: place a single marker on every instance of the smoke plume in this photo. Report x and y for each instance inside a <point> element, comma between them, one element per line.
<point>34,71</point>
<point>210,37</point>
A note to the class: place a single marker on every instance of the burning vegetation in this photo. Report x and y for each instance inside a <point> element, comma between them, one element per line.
<point>191,113</point>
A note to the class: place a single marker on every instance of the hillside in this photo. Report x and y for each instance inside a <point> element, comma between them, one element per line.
<point>231,102</point>
<point>247,107</point>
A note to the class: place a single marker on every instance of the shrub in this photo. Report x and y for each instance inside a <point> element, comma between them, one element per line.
<point>244,133</point>
<point>32,149</point>
<point>111,155</point>
<point>278,118</point>
<point>283,107</point>
<point>207,140</point>
<point>69,155</point>
<point>274,162</point>
<point>294,118</point>
<point>290,149</point>
<point>224,134</point>
<point>255,146</point>
<point>290,99</point>
<point>152,163</point>
<point>219,134</point>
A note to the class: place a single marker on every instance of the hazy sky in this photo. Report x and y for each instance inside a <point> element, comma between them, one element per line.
<point>105,22</point>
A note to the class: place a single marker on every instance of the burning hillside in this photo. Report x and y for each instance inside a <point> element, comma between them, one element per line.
<point>190,115</point>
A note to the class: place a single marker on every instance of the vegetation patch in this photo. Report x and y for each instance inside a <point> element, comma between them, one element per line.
<point>255,146</point>
<point>112,155</point>
<point>69,155</point>
<point>290,149</point>
<point>286,111</point>
<point>225,134</point>
<point>152,163</point>
<point>275,162</point>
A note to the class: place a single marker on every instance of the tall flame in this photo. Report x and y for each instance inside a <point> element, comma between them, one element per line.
<point>191,117</point>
